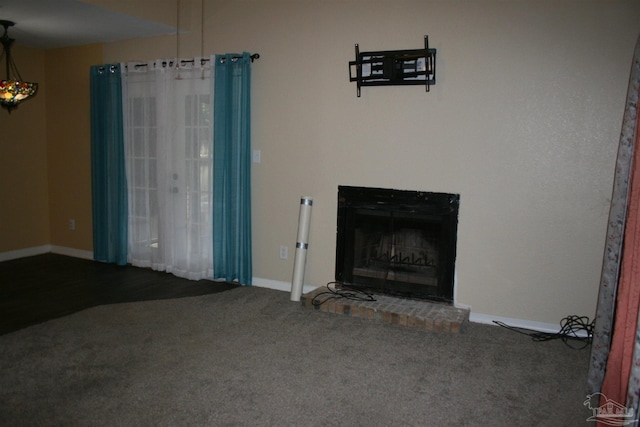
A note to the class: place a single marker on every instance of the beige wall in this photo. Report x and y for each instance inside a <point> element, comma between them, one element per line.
<point>24,216</point>
<point>523,122</point>
<point>45,170</point>
<point>69,144</point>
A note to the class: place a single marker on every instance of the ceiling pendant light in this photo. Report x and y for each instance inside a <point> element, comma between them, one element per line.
<point>12,90</point>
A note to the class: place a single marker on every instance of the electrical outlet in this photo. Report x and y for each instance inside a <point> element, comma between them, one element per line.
<point>72,224</point>
<point>284,252</point>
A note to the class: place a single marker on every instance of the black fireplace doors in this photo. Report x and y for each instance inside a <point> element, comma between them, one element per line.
<point>397,242</point>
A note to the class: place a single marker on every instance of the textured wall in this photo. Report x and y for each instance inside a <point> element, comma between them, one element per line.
<point>523,122</point>
<point>24,216</point>
<point>69,144</point>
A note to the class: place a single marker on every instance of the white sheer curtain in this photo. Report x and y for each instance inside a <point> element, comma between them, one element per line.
<point>168,120</point>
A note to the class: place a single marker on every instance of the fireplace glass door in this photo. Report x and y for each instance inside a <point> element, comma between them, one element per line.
<point>397,242</point>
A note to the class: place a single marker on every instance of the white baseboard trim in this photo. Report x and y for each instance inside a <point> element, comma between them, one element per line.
<point>76,253</point>
<point>45,249</point>
<point>489,319</point>
<point>279,285</point>
<point>23,253</point>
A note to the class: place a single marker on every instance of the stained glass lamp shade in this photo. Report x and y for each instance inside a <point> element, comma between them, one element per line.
<point>13,89</point>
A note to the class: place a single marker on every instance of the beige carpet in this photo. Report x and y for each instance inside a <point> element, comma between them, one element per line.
<point>249,356</point>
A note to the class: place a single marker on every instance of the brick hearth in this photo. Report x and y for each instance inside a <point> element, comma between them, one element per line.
<point>415,314</point>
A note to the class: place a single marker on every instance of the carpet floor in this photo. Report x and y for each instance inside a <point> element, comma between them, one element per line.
<point>250,357</point>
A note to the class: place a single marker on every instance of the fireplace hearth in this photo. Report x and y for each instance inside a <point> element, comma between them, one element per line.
<point>397,242</point>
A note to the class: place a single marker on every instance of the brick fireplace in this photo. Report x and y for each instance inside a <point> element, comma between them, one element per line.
<point>397,242</point>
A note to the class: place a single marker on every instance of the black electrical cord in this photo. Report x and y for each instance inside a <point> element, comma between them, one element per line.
<point>570,327</point>
<point>338,293</point>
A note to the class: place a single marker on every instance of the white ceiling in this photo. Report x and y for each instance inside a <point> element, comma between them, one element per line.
<point>49,24</point>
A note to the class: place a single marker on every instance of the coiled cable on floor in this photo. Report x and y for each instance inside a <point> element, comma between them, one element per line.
<point>572,329</point>
<point>338,293</point>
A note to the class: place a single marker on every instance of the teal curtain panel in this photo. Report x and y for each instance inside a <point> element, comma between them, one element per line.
<point>232,168</point>
<point>108,177</point>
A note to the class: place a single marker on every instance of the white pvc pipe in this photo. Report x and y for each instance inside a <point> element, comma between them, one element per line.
<point>301,248</point>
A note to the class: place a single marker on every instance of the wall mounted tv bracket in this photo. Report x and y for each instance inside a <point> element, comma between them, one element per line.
<point>394,67</point>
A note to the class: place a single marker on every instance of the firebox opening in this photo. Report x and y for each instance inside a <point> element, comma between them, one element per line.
<point>397,242</point>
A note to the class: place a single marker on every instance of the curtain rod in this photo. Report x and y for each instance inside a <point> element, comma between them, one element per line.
<point>113,68</point>
<point>202,60</point>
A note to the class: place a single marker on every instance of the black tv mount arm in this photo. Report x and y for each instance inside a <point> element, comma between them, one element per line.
<point>394,67</point>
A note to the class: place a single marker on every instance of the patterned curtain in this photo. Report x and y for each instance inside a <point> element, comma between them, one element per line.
<point>615,353</point>
<point>108,180</point>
